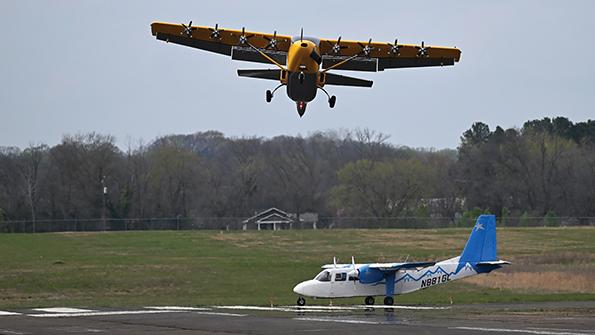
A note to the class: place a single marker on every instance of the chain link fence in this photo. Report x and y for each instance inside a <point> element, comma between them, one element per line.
<point>233,223</point>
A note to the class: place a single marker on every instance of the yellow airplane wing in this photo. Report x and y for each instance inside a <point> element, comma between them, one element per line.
<point>230,42</point>
<point>378,56</point>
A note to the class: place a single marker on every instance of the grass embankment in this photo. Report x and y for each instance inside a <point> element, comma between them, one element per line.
<point>260,268</point>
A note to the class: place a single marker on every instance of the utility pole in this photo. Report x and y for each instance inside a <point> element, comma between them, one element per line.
<point>104,207</point>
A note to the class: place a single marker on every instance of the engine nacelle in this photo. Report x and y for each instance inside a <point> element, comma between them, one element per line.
<point>369,276</point>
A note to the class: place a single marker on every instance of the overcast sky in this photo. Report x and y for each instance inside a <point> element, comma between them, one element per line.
<point>78,66</point>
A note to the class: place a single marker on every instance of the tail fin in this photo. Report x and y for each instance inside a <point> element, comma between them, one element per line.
<point>481,245</point>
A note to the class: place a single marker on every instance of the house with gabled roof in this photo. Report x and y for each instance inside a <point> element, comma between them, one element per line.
<point>270,219</point>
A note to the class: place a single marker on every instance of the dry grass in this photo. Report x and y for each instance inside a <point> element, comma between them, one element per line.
<point>538,282</point>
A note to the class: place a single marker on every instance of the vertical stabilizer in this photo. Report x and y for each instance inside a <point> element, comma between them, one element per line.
<point>481,245</point>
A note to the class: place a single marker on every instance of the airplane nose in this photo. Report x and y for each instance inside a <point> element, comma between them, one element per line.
<point>299,288</point>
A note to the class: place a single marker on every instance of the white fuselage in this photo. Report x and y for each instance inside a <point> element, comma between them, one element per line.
<point>337,285</point>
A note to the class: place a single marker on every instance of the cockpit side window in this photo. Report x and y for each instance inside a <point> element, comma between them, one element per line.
<point>324,276</point>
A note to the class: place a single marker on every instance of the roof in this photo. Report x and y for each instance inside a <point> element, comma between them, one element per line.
<point>270,215</point>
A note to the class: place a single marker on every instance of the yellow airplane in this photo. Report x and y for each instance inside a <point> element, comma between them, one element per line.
<point>304,62</point>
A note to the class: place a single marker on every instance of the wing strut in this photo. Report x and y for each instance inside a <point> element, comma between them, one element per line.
<point>267,57</point>
<point>340,63</point>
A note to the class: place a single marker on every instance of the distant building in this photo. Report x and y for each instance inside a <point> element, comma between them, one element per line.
<point>307,220</point>
<point>270,219</point>
<point>276,219</point>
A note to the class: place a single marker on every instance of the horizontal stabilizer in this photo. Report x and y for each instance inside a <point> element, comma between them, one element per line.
<point>500,262</point>
<point>261,74</point>
<point>337,79</point>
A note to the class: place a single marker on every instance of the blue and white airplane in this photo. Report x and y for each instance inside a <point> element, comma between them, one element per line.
<point>389,279</point>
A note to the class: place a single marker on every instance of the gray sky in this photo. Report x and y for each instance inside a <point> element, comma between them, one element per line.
<point>78,66</point>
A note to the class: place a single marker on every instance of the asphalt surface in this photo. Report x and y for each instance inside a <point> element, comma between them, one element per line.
<point>540,318</point>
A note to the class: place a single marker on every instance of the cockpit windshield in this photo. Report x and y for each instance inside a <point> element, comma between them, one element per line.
<point>323,276</point>
<point>307,38</point>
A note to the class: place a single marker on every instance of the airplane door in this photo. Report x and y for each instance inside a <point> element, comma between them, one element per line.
<point>338,284</point>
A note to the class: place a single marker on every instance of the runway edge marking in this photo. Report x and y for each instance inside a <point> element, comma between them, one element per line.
<point>525,331</point>
<point>63,310</point>
<point>100,313</point>
<point>341,321</point>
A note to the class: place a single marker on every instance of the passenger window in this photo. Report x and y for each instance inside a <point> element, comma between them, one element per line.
<point>353,278</point>
<point>324,276</point>
<point>340,276</point>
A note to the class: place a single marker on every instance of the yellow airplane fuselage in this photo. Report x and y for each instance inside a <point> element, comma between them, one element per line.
<point>303,76</point>
<point>298,57</point>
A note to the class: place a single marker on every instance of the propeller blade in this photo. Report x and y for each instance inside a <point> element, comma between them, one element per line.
<point>302,35</point>
<point>335,262</point>
<point>190,23</point>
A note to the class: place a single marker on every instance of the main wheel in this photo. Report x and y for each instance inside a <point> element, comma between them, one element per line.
<point>389,301</point>
<point>301,301</point>
<point>269,96</point>
<point>369,301</point>
<point>332,101</point>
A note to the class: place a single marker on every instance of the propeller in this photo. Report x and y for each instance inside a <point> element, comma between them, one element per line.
<point>335,262</point>
<point>272,41</point>
<point>366,49</point>
<point>187,29</point>
<point>337,47</point>
<point>302,35</point>
<point>216,33</point>
<point>244,38</point>
<point>394,48</point>
<point>354,272</point>
<point>422,51</point>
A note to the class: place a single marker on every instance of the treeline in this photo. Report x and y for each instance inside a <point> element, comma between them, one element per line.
<point>547,167</point>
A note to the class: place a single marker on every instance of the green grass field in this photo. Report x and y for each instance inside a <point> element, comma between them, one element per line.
<point>260,268</point>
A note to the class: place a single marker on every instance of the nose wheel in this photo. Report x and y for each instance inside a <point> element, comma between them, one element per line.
<point>301,301</point>
<point>369,301</point>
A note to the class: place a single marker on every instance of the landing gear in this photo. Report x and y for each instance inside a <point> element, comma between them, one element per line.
<point>331,101</point>
<point>389,301</point>
<point>301,301</point>
<point>369,301</point>
<point>269,95</point>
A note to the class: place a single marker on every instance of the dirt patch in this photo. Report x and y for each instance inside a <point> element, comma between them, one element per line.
<point>546,281</point>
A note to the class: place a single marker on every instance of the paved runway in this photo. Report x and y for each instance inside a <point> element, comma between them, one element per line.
<point>575,318</point>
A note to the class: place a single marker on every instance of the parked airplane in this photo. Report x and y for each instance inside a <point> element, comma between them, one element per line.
<point>388,279</point>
